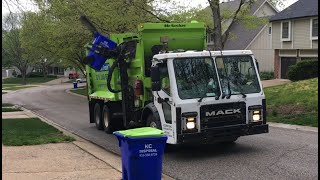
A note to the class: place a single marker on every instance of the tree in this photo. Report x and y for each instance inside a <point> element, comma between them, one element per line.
<point>11,44</point>
<point>35,44</point>
<point>219,21</point>
<point>61,34</point>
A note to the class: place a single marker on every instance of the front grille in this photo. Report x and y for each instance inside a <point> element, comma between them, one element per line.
<point>220,120</point>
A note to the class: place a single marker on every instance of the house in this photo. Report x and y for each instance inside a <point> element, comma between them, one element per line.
<point>294,35</point>
<point>7,72</point>
<point>257,39</point>
<point>52,70</point>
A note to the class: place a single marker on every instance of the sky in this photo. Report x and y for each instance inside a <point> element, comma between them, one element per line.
<point>28,5</point>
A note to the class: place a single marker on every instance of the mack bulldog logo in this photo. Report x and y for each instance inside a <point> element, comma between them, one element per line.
<point>223,112</point>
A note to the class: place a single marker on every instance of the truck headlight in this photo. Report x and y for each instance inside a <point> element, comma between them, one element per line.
<point>191,123</point>
<point>256,115</point>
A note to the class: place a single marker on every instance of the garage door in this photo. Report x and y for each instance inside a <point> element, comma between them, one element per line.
<point>285,63</point>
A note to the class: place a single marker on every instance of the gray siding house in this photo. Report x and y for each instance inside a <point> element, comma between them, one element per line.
<point>294,35</point>
<point>256,39</point>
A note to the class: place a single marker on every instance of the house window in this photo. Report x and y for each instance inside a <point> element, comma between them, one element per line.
<point>60,70</point>
<point>285,31</point>
<point>270,30</point>
<point>210,38</point>
<point>314,28</point>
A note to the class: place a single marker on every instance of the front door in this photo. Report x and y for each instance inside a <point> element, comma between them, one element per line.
<point>285,63</point>
<point>164,105</point>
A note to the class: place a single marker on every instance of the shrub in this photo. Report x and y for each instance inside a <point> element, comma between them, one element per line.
<point>14,73</point>
<point>52,76</point>
<point>266,75</point>
<point>303,70</point>
<point>35,74</point>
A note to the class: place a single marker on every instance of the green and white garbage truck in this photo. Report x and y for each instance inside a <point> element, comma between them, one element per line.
<point>162,76</point>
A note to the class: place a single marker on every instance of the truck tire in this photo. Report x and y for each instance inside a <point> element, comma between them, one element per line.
<point>97,116</point>
<point>106,120</point>
<point>153,122</point>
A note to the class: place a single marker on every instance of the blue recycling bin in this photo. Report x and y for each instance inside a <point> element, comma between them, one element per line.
<point>75,85</point>
<point>141,152</point>
<point>98,60</point>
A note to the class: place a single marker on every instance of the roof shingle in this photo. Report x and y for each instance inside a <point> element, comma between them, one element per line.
<point>243,36</point>
<point>301,8</point>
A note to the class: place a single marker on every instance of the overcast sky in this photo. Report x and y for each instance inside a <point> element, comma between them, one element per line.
<point>28,5</point>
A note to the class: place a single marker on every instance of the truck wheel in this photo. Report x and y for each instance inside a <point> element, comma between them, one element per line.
<point>153,122</point>
<point>97,116</point>
<point>106,117</point>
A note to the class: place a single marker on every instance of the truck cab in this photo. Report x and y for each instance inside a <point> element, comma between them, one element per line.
<point>208,96</point>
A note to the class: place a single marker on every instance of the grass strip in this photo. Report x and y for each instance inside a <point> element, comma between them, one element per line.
<point>13,88</point>
<point>9,109</point>
<point>7,105</point>
<point>33,80</point>
<point>81,91</point>
<point>310,119</point>
<point>30,131</point>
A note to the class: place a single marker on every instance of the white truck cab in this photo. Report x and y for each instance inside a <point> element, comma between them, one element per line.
<point>208,96</point>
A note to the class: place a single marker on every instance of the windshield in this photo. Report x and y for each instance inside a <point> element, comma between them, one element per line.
<point>239,73</point>
<point>196,77</point>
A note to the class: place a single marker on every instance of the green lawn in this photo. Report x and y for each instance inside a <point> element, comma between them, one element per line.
<point>30,131</point>
<point>9,85</point>
<point>4,92</point>
<point>81,91</point>
<point>7,105</point>
<point>34,80</point>
<point>9,109</point>
<point>14,88</point>
<point>293,103</point>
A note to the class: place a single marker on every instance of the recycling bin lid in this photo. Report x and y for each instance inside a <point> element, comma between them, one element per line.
<point>141,132</point>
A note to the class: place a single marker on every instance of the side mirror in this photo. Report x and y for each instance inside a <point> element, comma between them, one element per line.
<point>155,78</point>
<point>156,86</point>
<point>257,65</point>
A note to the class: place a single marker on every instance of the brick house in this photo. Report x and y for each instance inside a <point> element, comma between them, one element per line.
<point>294,35</point>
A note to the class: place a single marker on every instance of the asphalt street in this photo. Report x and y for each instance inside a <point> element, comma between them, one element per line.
<point>280,154</point>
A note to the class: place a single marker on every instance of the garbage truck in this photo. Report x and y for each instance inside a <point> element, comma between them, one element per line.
<point>162,76</point>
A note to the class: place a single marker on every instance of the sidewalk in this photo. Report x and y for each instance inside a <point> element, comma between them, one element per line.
<point>274,82</point>
<point>57,81</point>
<point>75,160</point>
<point>57,161</point>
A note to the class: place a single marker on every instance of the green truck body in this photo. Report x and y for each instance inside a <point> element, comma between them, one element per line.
<point>186,36</point>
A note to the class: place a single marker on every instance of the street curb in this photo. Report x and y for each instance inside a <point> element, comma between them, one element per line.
<point>294,127</point>
<point>84,147</point>
<point>75,94</point>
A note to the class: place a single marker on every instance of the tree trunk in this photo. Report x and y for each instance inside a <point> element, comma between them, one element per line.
<point>45,73</point>
<point>24,76</point>
<point>234,19</point>
<point>217,33</point>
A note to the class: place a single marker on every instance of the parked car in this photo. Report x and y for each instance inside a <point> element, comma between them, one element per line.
<point>73,75</point>
<point>81,80</point>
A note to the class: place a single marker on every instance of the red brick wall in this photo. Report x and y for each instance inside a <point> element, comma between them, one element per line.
<point>276,64</point>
